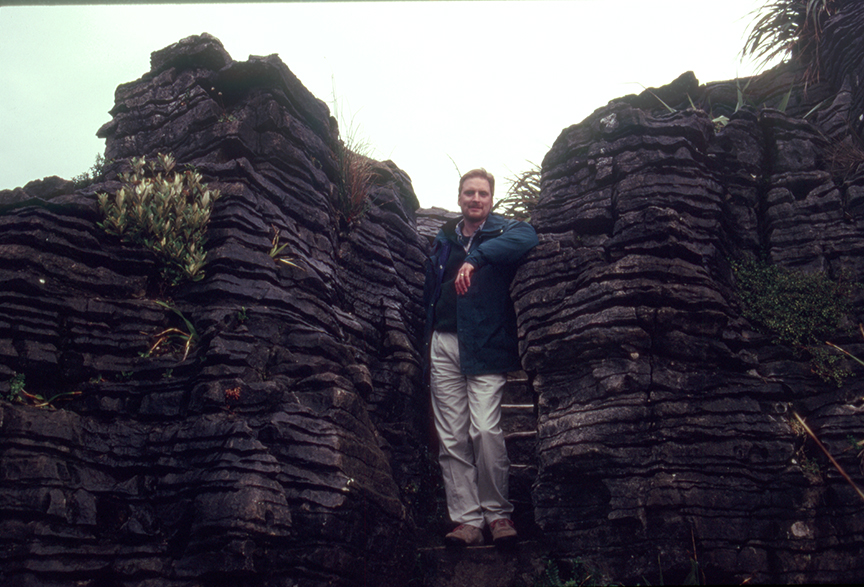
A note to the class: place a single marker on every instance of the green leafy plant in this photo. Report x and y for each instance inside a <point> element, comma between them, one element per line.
<point>16,388</point>
<point>522,196</point>
<point>552,577</point>
<point>580,575</point>
<point>19,394</point>
<point>164,210</point>
<point>741,93</point>
<point>801,309</point>
<point>97,172</point>
<point>789,29</point>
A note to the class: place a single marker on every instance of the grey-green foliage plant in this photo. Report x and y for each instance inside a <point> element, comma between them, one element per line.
<point>802,310</point>
<point>522,196</point>
<point>165,211</point>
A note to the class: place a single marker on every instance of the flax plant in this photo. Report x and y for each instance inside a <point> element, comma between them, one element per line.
<point>164,210</point>
<point>789,29</point>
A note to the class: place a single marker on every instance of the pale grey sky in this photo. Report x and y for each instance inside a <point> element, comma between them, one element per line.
<point>488,84</point>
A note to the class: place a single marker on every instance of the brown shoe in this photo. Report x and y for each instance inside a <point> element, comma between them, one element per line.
<point>503,532</point>
<point>465,535</point>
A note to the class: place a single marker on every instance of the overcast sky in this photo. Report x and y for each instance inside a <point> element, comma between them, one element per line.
<point>426,84</point>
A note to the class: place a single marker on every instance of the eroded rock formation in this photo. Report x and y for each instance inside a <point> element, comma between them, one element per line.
<point>287,448</point>
<point>273,454</point>
<point>666,432</point>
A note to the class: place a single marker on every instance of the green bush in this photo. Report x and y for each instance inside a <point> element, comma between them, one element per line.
<point>97,172</point>
<point>802,310</point>
<point>164,210</point>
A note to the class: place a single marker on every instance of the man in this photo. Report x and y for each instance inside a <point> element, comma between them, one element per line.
<point>472,344</point>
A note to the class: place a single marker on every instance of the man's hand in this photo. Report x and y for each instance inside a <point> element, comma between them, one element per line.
<point>463,278</point>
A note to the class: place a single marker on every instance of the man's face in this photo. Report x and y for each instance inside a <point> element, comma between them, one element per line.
<point>475,199</point>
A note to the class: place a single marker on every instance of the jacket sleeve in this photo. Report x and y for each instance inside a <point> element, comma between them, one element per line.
<point>516,239</point>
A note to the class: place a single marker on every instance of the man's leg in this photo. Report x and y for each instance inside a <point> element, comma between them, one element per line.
<point>456,455</point>
<point>490,453</point>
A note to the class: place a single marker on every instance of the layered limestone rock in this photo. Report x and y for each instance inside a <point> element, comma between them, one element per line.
<point>666,428</point>
<point>288,447</point>
<point>282,450</point>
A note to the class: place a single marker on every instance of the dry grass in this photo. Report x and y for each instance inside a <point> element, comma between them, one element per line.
<point>356,174</point>
<point>356,167</point>
<point>845,157</point>
<point>522,196</point>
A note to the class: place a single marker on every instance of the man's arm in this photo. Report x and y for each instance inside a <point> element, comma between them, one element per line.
<point>517,239</point>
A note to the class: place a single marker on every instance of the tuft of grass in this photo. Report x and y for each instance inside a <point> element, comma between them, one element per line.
<point>166,212</point>
<point>276,250</point>
<point>355,166</point>
<point>186,339</point>
<point>845,157</point>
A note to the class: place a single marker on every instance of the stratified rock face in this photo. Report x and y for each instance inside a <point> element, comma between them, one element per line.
<point>274,453</point>
<point>841,55</point>
<point>665,418</point>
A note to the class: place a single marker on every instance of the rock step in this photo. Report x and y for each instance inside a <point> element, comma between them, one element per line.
<point>519,422</point>
<point>483,566</point>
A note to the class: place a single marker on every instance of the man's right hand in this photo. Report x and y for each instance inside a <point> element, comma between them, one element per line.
<point>463,278</point>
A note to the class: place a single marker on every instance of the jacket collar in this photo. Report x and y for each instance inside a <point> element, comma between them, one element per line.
<point>494,222</point>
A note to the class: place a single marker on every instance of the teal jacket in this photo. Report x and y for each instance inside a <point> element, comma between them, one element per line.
<point>485,319</point>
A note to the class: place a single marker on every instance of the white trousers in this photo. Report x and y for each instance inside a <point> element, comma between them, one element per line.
<point>473,458</point>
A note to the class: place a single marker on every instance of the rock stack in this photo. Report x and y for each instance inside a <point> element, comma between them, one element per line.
<point>278,451</point>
